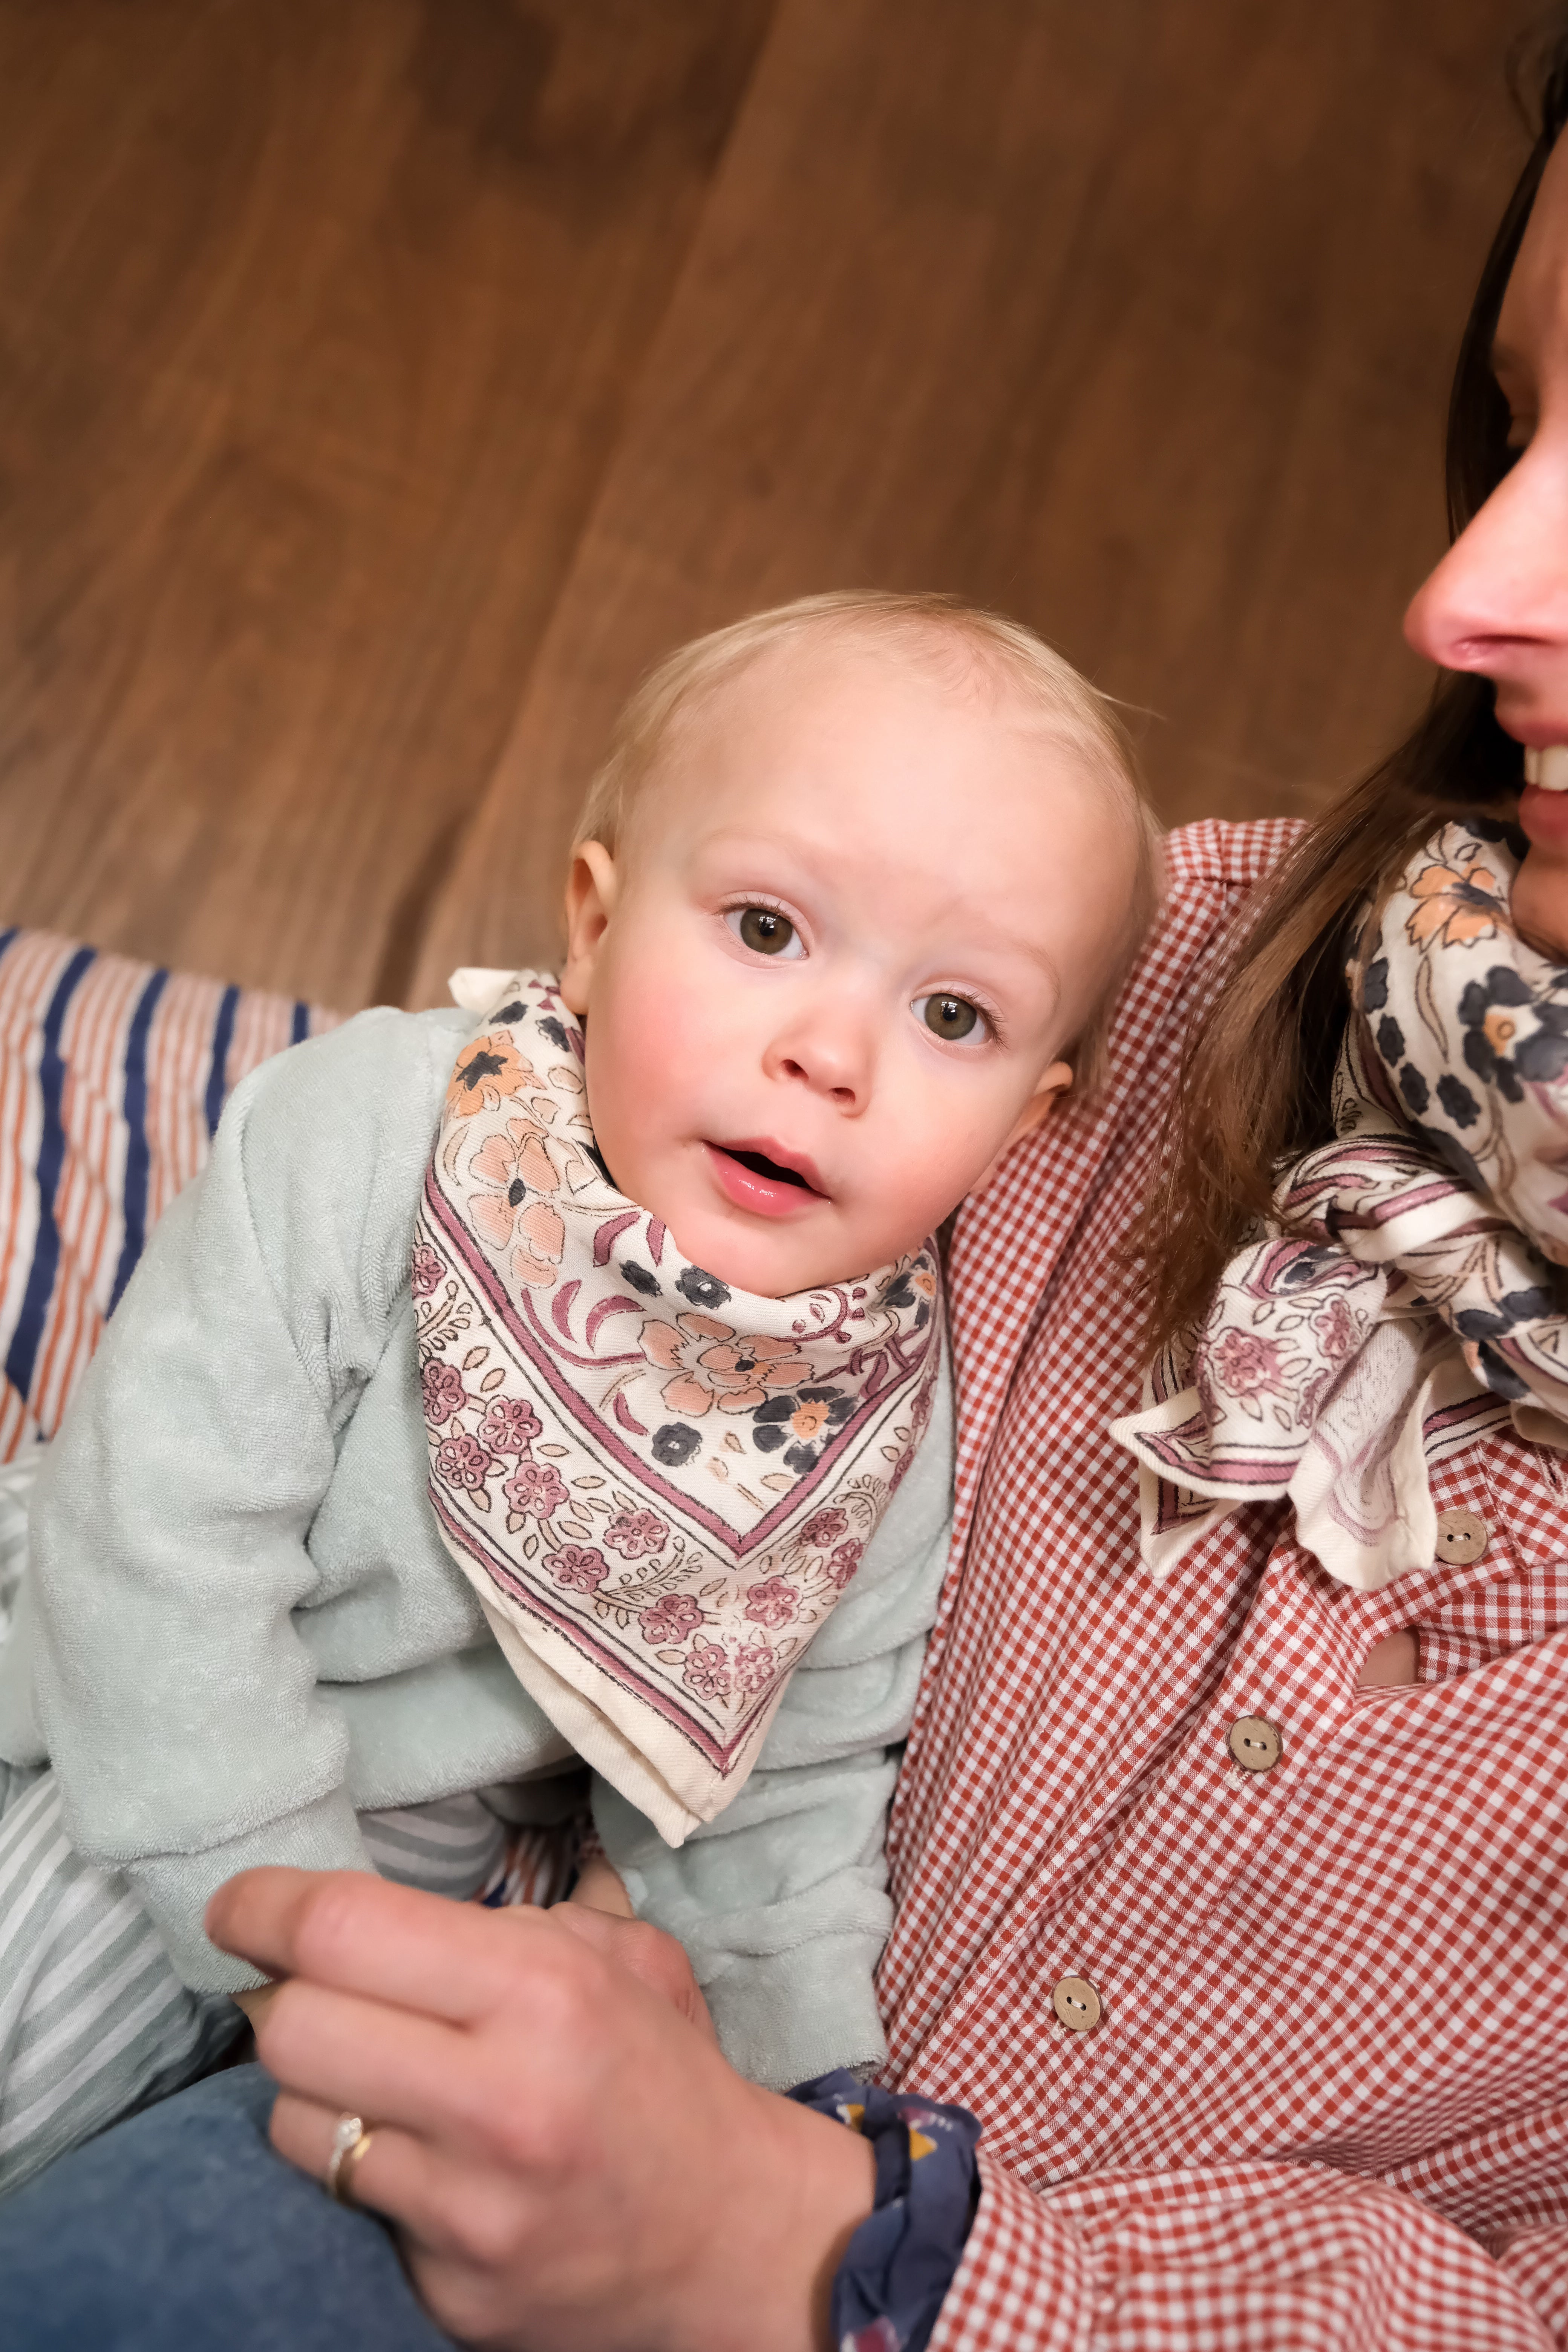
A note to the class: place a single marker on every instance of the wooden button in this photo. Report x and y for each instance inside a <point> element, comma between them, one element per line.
<point>1077,2004</point>
<point>1462,1536</point>
<point>1256,1745</point>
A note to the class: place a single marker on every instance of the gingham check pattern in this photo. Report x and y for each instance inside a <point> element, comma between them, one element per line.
<point>1324,2106</point>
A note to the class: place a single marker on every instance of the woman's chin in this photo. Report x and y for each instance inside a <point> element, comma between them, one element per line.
<point>1540,897</point>
<point>1544,820</point>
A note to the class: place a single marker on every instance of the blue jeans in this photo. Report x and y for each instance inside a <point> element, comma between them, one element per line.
<point>181,2231</point>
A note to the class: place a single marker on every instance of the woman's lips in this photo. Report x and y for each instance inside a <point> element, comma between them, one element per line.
<point>762,1178</point>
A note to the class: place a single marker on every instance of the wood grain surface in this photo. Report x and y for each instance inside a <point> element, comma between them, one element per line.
<point>318,320</point>
<point>1136,321</point>
<point>384,382</point>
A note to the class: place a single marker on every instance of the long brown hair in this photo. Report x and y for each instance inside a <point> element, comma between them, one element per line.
<point>1254,1089</point>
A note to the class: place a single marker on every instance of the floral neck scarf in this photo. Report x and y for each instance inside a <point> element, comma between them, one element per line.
<point>1409,1294</point>
<point>658,1485</point>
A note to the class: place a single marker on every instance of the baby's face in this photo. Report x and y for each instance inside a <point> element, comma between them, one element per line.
<point>853,921</point>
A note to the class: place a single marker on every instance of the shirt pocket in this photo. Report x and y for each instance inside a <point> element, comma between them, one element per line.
<point>1514,1592</point>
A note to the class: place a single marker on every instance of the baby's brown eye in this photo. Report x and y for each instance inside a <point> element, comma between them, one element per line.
<point>949,1016</point>
<point>763,930</point>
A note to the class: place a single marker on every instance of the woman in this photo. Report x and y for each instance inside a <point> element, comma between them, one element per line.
<point>1247,1947</point>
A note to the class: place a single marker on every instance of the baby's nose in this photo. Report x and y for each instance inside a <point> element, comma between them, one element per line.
<point>838,1089</point>
<point>833,1059</point>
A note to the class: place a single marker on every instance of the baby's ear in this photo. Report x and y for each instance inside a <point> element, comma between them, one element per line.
<point>1045,1098</point>
<point>1047,1095</point>
<point>591,889</point>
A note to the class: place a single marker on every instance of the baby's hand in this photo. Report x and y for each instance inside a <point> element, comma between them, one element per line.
<point>601,1888</point>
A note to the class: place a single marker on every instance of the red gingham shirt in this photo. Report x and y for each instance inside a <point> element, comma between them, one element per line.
<point>1325,2103</point>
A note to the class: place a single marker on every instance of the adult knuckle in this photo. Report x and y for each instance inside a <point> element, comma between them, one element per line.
<point>485,2226</point>
<point>329,1920</point>
<point>278,2028</point>
<point>659,1959</point>
<point>461,2301</point>
<point>642,1943</point>
<point>490,2113</point>
<point>514,2136</point>
<point>565,1989</point>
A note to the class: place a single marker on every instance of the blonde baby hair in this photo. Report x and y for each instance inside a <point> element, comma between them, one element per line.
<point>965,644</point>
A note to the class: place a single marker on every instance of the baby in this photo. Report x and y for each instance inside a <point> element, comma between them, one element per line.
<point>549,1386</point>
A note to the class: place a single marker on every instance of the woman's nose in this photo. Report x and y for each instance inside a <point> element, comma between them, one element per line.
<point>1503,588</point>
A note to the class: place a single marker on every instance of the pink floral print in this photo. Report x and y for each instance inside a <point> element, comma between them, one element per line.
<point>843,1563</point>
<point>535,1486</point>
<point>514,1172</point>
<point>672,1619</point>
<point>711,1365</point>
<point>443,1390</point>
<point>633,1533</point>
<point>708,1671</point>
<point>510,1425</point>
<point>577,1567</point>
<point>462,1462</point>
<point>1249,1366</point>
<point>756,1664</point>
<point>1336,1328</point>
<point>772,1603</point>
<point>672,1473</point>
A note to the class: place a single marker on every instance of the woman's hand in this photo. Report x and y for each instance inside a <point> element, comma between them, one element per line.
<point>647,1953</point>
<point>571,2164</point>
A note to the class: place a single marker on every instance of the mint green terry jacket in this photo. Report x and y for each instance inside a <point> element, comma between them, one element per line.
<point>240,1628</point>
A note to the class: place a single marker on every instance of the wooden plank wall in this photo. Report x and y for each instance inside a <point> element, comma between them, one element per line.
<point>383,382</point>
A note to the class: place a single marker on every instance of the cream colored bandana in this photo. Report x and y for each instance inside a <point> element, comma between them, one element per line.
<point>658,1484</point>
<point>1411,1295</point>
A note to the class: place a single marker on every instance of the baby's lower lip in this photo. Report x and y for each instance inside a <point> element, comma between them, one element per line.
<point>748,1188</point>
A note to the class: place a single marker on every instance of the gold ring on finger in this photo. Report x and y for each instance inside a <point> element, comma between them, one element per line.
<point>350,2140</point>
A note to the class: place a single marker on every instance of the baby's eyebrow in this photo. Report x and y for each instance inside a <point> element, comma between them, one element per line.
<point>1033,950</point>
<point>1036,951</point>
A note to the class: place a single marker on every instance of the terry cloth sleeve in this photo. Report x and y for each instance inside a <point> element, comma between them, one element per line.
<point>782,1902</point>
<point>1271,2257</point>
<point>176,1699</point>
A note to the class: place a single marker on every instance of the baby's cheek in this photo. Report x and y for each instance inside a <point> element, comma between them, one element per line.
<point>904,1199</point>
<point>642,1061</point>
<point>625,1104</point>
<point>960,1128</point>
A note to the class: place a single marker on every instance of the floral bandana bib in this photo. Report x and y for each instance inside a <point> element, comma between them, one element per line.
<point>1410,1295</point>
<point>658,1485</point>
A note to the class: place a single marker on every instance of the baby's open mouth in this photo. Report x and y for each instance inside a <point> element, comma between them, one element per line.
<point>761,1165</point>
<point>756,1179</point>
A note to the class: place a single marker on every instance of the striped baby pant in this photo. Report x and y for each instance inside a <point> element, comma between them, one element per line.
<point>94,2022</point>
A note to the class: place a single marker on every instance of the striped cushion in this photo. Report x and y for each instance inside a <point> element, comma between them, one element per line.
<point>113,1075</point>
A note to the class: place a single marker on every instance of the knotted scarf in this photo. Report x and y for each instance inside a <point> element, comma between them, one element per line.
<point>1408,1295</point>
<point>658,1484</point>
